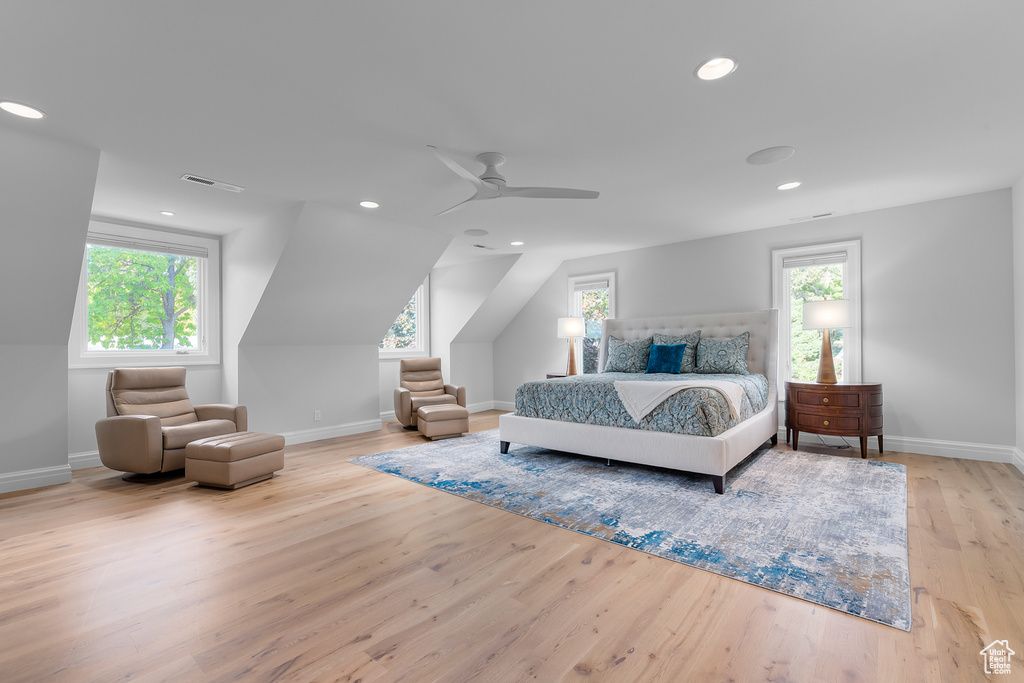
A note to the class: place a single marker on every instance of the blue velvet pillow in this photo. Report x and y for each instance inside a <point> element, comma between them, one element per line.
<point>691,339</point>
<point>666,358</point>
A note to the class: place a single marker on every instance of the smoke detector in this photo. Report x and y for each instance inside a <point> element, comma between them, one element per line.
<point>190,178</point>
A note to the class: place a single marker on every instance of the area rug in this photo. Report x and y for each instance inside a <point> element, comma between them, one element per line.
<point>826,529</point>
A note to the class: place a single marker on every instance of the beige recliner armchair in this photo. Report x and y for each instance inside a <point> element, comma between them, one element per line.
<point>422,385</point>
<point>151,420</point>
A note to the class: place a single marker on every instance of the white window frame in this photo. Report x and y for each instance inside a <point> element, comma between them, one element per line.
<point>580,283</point>
<point>850,251</point>
<point>79,354</point>
<point>422,348</point>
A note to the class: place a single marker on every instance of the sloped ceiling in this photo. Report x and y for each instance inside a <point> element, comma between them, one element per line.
<point>341,279</point>
<point>43,239</point>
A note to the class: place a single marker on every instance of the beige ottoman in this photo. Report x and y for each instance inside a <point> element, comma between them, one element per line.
<point>234,460</point>
<point>442,421</point>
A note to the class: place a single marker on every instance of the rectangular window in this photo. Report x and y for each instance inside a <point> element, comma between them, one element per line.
<point>591,297</point>
<point>816,273</point>
<point>145,297</point>
<point>409,334</point>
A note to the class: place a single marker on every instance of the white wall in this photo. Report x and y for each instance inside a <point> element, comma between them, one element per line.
<point>937,311</point>
<point>282,386</point>
<point>456,294</point>
<point>1018,316</point>
<point>387,380</point>
<point>46,190</point>
<point>248,259</point>
<point>311,343</point>
<point>34,416</point>
<point>473,367</point>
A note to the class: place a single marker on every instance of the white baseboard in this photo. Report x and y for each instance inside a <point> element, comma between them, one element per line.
<point>505,405</point>
<point>84,460</point>
<point>330,432</point>
<point>943,449</point>
<point>948,449</point>
<point>32,479</point>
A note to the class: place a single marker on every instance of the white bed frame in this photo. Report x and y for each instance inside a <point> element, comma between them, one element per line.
<point>714,455</point>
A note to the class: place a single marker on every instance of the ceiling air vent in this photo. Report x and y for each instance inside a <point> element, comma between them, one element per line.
<point>481,246</point>
<point>811,218</point>
<point>188,177</point>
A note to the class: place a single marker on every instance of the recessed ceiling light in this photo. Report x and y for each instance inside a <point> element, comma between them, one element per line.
<point>166,213</point>
<point>715,68</point>
<point>790,185</point>
<point>517,244</point>
<point>367,204</point>
<point>475,232</point>
<point>770,155</point>
<point>19,109</point>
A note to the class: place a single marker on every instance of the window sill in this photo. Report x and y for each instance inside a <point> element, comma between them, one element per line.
<point>399,355</point>
<point>134,361</point>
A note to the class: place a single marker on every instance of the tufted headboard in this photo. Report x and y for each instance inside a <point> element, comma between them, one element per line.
<point>763,352</point>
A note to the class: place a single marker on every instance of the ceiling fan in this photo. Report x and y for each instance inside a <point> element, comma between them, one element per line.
<point>491,184</point>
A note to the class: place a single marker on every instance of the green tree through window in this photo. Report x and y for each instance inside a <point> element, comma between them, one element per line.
<point>813,283</point>
<point>141,299</point>
<point>402,334</point>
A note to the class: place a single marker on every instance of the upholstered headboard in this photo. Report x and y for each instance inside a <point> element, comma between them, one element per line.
<point>762,354</point>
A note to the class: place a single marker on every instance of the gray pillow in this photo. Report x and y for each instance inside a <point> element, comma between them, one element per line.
<point>723,355</point>
<point>690,354</point>
<point>624,356</point>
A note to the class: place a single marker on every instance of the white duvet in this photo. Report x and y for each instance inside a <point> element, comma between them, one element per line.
<point>640,398</point>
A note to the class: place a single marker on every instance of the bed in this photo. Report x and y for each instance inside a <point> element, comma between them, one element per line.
<point>708,453</point>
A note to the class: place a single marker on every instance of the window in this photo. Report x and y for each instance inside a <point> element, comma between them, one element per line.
<point>824,271</point>
<point>409,335</point>
<point>591,297</point>
<point>146,297</point>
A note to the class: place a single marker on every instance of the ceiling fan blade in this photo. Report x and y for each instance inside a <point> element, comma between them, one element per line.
<point>459,170</point>
<point>449,210</point>
<point>548,193</point>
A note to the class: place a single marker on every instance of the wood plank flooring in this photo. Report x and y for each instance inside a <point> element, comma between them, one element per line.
<point>332,572</point>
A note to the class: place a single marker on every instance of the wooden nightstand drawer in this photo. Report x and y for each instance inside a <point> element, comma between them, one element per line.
<point>828,399</point>
<point>839,423</point>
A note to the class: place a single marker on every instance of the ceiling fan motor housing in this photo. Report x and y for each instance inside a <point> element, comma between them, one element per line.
<point>492,160</point>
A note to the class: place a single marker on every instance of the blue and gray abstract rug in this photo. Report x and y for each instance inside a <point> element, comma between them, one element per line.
<point>825,529</point>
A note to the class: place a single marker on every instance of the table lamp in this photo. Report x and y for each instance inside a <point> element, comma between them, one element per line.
<point>827,316</point>
<point>571,329</point>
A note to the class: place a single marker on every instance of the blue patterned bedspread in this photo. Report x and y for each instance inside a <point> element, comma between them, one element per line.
<point>592,399</point>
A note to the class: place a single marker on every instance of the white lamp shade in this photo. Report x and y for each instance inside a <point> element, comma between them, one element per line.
<point>571,327</point>
<point>832,315</point>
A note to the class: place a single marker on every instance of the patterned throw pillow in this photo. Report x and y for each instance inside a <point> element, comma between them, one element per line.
<point>624,356</point>
<point>690,355</point>
<point>723,355</point>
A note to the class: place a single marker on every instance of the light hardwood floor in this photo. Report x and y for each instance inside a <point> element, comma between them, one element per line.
<point>331,571</point>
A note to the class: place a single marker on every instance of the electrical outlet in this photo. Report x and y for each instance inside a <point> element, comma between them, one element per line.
<point>316,416</point>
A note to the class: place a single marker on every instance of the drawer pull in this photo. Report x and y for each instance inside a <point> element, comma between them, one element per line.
<point>826,423</point>
<point>824,400</point>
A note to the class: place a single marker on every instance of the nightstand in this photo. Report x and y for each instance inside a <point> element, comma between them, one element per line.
<point>555,375</point>
<point>836,410</point>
